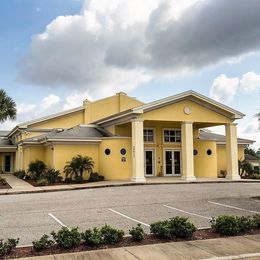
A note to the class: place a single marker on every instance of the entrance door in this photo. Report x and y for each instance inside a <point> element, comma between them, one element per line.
<point>149,162</point>
<point>7,167</point>
<point>172,163</point>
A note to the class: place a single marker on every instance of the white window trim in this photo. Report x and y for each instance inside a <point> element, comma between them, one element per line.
<point>178,129</point>
<point>153,149</point>
<point>164,162</point>
<point>154,135</point>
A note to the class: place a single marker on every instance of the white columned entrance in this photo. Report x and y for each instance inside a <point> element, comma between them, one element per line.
<point>231,151</point>
<point>137,151</point>
<point>187,151</point>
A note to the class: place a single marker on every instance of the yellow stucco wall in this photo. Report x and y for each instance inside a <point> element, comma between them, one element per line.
<point>205,165</point>
<point>64,153</point>
<point>112,166</point>
<point>174,112</point>
<point>222,159</point>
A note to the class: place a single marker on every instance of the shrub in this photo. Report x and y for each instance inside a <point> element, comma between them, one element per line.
<point>20,174</point>
<point>43,243</point>
<point>137,233</point>
<point>111,235</point>
<point>181,228</point>
<point>94,176</point>
<point>255,176</point>
<point>232,225</point>
<point>3,181</point>
<point>177,227</point>
<point>53,176</point>
<point>68,180</point>
<point>67,238</point>
<point>7,246</point>
<point>78,179</point>
<point>36,169</point>
<point>256,219</point>
<point>161,229</point>
<point>42,182</point>
<point>93,237</point>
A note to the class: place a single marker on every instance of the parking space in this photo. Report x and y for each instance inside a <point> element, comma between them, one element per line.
<point>123,208</point>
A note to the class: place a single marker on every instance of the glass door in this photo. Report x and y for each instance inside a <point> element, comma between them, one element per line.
<point>172,163</point>
<point>149,162</point>
<point>7,167</point>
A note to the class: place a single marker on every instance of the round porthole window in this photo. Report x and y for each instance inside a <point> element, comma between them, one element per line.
<point>123,151</point>
<point>209,152</point>
<point>107,151</point>
<point>195,152</point>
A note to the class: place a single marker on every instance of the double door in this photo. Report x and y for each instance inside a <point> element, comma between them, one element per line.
<point>172,162</point>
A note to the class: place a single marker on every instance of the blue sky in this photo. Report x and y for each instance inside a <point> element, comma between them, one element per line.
<point>96,48</point>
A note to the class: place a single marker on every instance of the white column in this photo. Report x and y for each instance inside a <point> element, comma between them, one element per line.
<point>137,151</point>
<point>231,151</point>
<point>187,151</point>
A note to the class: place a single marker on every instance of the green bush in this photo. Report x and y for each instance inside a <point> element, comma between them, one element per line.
<point>255,176</point>
<point>7,246</point>
<point>67,238</point>
<point>177,227</point>
<point>42,182</point>
<point>232,225</point>
<point>3,181</point>
<point>111,235</point>
<point>43,243</point>
<point>20,174</point>
<point>94,176</point>
<point>256,219</point>
<point>36,169</point>
<point>78,179</point>
<point>93,237</point>
<point>181,227</point>
<point>161,229</point>
<point>68,180</point>
<point>53,176</point>
<point>137,233</point>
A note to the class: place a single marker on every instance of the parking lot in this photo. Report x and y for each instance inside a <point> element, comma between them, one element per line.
<point>28,216</point>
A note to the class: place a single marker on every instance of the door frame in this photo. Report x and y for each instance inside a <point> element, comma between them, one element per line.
<point>153,150</point>
<point>164,162</point>
<point>11,162</point>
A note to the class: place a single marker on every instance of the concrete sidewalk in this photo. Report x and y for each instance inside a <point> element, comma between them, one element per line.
<point>242,247</point>
<point>22,187</point>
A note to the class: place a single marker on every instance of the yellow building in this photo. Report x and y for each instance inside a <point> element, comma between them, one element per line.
<point>128,139</point>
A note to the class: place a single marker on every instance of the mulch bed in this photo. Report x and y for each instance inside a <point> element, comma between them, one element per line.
<point>34,183</point>
<point>7,186</point>
<point>127,241</point>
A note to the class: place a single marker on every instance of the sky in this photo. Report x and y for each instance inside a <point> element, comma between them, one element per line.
<point>55,54</point>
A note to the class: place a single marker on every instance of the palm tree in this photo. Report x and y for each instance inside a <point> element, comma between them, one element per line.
<point>7,107</point>
<point>245,167</point>
<point>78,165</point>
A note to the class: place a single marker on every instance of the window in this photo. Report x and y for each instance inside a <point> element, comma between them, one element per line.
<point>123,151</point>
<point>209,152</point>
<point>149,135</point>
<point>107,151</point>
<point>195,152</point>
<point>172,136</point>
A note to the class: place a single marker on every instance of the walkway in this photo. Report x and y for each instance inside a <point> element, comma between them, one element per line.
<point>242,247</point>
<point>19,186</point>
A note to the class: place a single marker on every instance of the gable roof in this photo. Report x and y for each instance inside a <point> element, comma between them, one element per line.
<point>194,96</point>
<point>250,157</point>
<point>77,133</point>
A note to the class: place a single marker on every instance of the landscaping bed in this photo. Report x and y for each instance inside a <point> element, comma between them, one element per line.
<point>4,184</point>
<point>176,229</point>
<point>35,184</point>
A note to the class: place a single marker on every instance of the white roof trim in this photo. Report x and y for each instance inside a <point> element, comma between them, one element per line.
<point>160,102</point>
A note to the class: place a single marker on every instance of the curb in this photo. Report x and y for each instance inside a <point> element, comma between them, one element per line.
<point>11,192</point>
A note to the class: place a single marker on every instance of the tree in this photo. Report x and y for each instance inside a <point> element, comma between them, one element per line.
<point>36,169</point>
<point>78,165</point>
<point>7,107</point>
<point>252,152</point>
<point>245,167</point>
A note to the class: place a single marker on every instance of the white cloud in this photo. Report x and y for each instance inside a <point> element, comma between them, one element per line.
<point>24,108</point>
<point>224,89</point>
<point>250,82</point>
<point>49,101</point>
<point>76,99</point>
<point>121,44</point>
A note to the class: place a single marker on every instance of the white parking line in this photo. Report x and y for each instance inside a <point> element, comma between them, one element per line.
<point>133,219</point>
<point>232,207</point>
<point>186,212</point>
<point>57,220</point>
